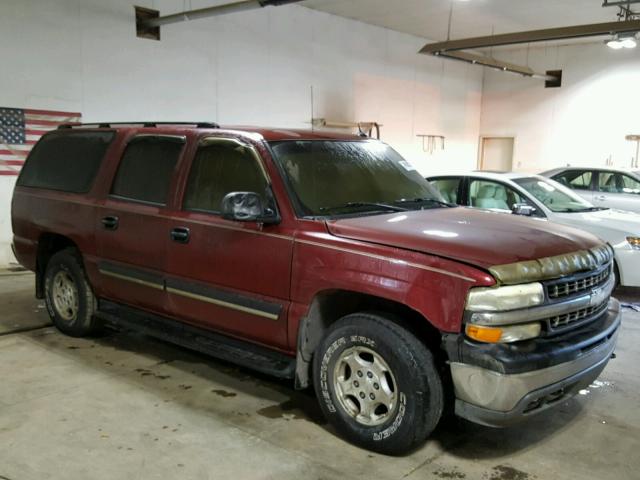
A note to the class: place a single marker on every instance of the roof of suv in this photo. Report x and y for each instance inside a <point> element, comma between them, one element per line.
<point>269,134</point>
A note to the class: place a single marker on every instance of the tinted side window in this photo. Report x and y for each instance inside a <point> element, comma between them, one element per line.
<point>219,168</point>
<point>448,188</point>
<point>145,171</point>
<point>577,180</point>
<point>66,161</point>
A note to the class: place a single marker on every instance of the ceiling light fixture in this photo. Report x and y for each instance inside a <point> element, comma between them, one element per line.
<point>622,40</point>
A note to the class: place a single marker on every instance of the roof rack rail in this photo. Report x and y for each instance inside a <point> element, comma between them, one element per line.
<point>144,124</point>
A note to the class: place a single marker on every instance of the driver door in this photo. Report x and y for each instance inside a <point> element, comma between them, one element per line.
<point>228,276</point>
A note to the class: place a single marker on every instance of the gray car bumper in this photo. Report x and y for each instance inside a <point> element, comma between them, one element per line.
<point>499,399</point>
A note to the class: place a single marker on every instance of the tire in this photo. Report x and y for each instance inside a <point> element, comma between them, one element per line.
<point>364,354</point>
<point>68,295</point>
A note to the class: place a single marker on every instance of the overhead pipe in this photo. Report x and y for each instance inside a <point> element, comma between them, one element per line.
<point>532,36</point>
<point>213,11</point>
<point>453,49</point>
<point>620,3</point>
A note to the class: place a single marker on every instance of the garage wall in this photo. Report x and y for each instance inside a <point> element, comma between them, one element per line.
<point>249,68</point>
<point>582,123</point>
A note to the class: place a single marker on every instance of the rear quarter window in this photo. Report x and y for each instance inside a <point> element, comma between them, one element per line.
<point>65,161</point>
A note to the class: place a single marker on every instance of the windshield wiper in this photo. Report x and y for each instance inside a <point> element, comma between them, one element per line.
<point>385,206</point>
<point>579,210</point>
<point>425,200</point>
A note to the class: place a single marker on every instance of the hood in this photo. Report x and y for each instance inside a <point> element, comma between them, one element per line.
<point>478,237</point>
<point>611,225</point>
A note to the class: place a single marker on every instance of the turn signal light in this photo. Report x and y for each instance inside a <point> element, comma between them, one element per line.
<point>484,334</point>
<point>503,334</point>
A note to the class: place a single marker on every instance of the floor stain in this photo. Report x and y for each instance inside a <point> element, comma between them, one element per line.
<point>144,372</point>
<point>505,472</point>
<point>453,473</point>
<point>223,393</point>
<point>300,409</point>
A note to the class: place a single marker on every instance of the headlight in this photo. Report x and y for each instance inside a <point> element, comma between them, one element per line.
<point>503,334</point>
<point>505,298</point>
<point>634,242</point>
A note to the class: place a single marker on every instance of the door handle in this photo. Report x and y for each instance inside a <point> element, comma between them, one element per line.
<point>110,223</point>
<point>601,197</point>
<point>180,235</point>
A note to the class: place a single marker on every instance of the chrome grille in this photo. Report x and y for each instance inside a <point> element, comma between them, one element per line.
<point>560,321</point>
<point>570,287</point>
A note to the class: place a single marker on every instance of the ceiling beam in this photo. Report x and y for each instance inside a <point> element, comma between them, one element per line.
<point>226,8</point>
<point>532,36</point>
<point>621,3</point>
<point>494,63</point>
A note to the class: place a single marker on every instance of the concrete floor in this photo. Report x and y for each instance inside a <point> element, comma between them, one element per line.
<point>126,406</point>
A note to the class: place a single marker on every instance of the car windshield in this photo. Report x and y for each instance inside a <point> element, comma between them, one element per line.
<point>554,196</point>
<point>331,177</point>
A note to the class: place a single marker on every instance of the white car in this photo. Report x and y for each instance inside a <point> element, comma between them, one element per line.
<point>604,187</point>
<point>547,200</point>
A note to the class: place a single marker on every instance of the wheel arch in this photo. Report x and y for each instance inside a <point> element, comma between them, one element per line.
<point>48,245</point>
<point>329,306</point>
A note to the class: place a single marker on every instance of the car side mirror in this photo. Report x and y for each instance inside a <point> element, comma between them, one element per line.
<point>523,209</point>
<point>246,207</point>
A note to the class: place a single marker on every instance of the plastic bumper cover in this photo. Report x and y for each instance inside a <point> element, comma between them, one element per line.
<point>494,396</point>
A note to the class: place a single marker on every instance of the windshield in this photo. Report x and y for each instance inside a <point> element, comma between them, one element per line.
<point>554,196</point>
<point>352,177</point>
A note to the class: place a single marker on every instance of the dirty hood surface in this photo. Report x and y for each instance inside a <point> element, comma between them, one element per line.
<point>481,238</point>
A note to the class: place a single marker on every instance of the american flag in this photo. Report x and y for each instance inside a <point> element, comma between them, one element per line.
<point>21,128</point>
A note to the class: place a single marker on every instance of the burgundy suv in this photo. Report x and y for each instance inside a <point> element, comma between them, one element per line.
<point>318,257</point>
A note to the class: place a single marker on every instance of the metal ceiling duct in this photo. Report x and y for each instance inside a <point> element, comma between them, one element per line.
<point>213,11</point>
<point>532,36</point>
<point>452,49</point>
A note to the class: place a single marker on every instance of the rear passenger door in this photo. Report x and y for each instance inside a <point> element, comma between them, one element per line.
<point>132,225</point>
<point>233,277</point>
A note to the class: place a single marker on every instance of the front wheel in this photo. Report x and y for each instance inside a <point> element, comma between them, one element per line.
<point>377,384</point>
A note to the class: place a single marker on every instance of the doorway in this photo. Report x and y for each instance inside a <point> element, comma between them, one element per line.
<point>496,153</point>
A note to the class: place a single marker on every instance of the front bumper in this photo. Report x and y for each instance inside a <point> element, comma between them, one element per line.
<point>628,261</point>
<point>494,387</point>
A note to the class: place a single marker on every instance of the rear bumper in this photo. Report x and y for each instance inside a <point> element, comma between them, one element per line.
<point>498,395</point>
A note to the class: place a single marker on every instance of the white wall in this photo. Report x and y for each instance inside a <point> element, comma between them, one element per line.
<point>582,123</point>
<point>247,68</point>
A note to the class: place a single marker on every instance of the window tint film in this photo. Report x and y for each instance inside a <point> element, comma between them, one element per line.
<point>219,168</point>
<point>448,188</point>
<point>493,195</point>
<point>579,180</point>
<point>66,161</point>
<point>146,168</point>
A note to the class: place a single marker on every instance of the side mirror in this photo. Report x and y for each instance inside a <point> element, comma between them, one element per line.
<point>246,207</point>
<point>523,209</point>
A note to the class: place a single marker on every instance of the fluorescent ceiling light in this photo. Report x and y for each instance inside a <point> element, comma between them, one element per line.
<point>629,43</point>
<point>623,40</point>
